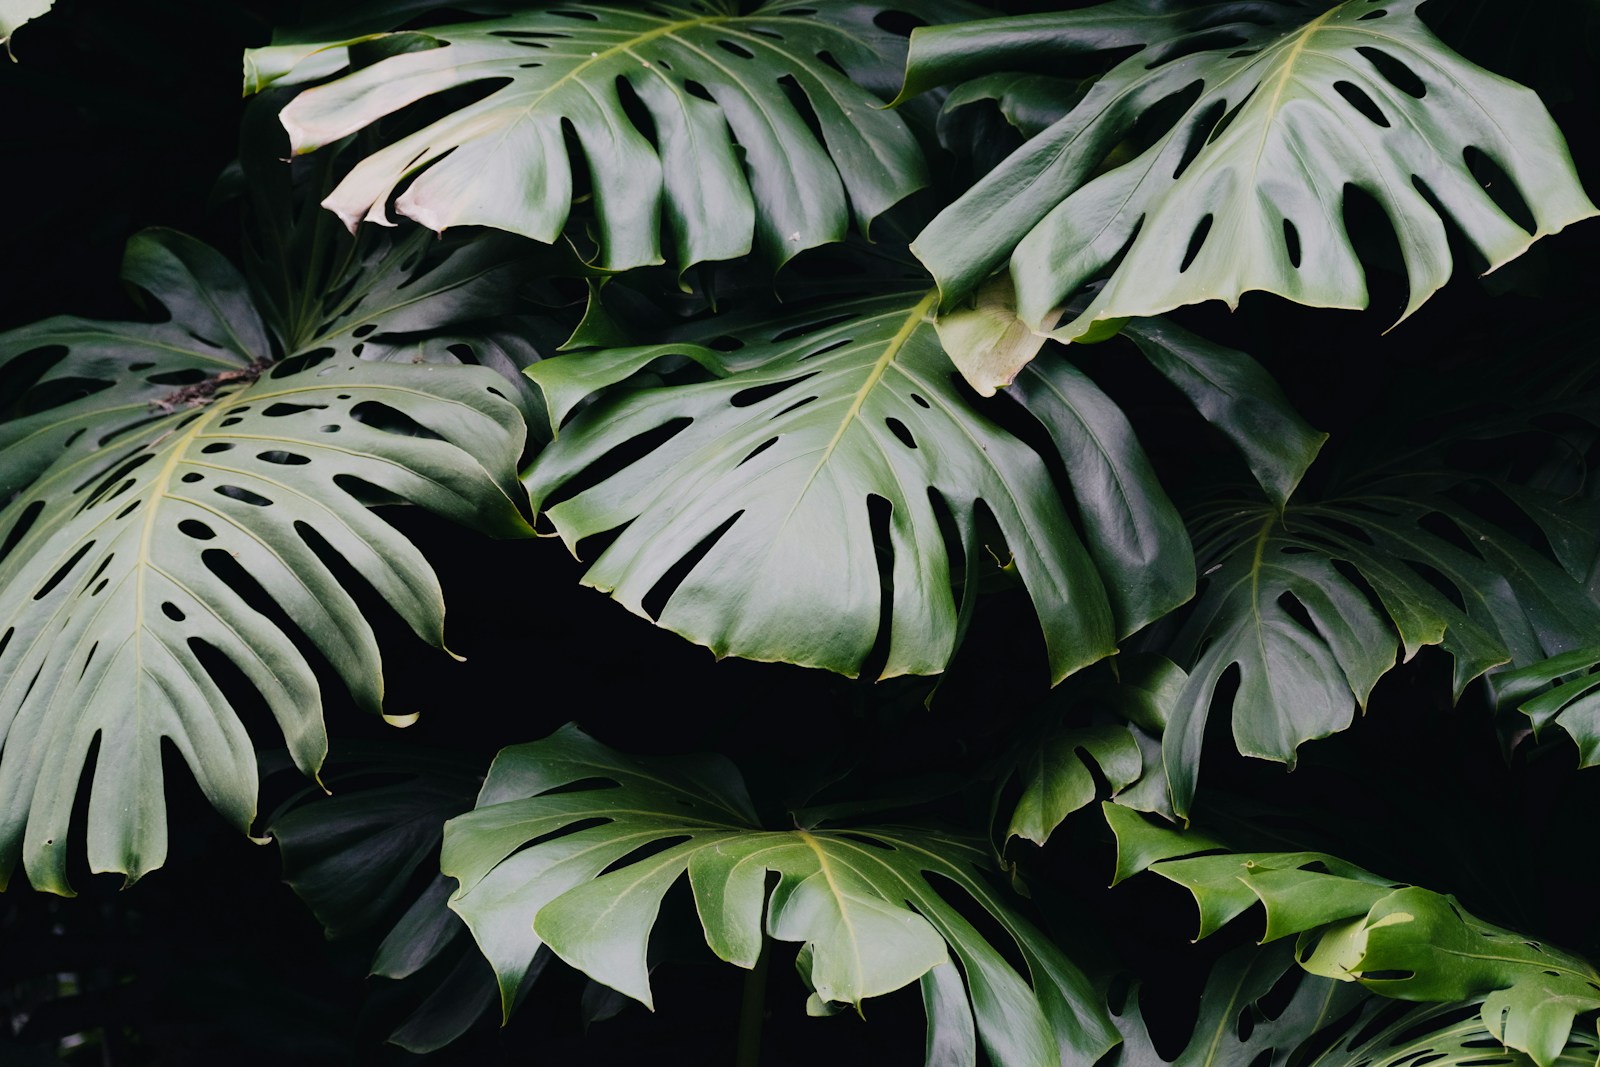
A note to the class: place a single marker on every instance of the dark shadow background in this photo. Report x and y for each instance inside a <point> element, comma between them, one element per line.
<point>119,116</point>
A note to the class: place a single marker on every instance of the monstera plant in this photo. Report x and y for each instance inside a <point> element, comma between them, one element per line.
<point>1057,424</point>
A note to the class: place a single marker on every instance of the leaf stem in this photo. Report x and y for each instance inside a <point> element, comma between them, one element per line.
<point>753,1010</point>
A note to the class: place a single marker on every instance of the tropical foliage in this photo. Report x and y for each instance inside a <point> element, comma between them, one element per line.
<point>885,351</point>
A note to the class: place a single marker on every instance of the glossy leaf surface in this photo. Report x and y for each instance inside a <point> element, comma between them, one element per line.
<point>573,845</point>
<point>1275,108</point>
<point>165,472</point>
<point>720,155</point>
<point>1562,691</point>
<point>776,459</point>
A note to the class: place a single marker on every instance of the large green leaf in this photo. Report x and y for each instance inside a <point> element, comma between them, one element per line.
<point>693,119</point>
<point>573,845</point>
<point>1324,1022</point>
<point>765,488</point>
<point>1267,113</point>
<point>1401,941</point>
<point>1294,601</point>
<point>168,482</point>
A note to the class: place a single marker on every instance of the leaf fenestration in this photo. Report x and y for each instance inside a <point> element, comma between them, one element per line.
<point>536,866</point>
<point>162,477</point>
<point>1279,109</point>
<point>722,159</point>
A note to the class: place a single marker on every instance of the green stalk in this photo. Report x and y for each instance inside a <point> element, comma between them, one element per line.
<point>753,1011</point>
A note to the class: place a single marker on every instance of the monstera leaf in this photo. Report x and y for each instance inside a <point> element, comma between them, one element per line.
<point>692,118</point>
<point>179,502</point>
<point>355,859</point>
<point>1330,1023</point>
<point>1401,941</point>
<point>1273,110</point>
<point>1053,770</point>
<point>762,480</point>
<point>1294,602</point>
<point>1563,691</point>
<point>573,845</point>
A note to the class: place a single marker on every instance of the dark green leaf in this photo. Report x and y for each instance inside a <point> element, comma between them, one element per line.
<point>583,870</point>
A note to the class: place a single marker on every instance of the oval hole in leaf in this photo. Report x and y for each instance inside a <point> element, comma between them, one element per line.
<point>283,408</point>
<point>20,528</point>
<point>196,529</point>
<point>745,398</point>
<point>244,496</point>
<point>172,611</point>
<point>1197,241</point>
<point>218,446</point>
<point>900,430</point>
<point>287,459</point>
<point>1357,98</point>
<point>61,572</point>
<point>1394,72</point>
<point>1501,189</point>
<point>381,416</point>
<point>1200,135</point>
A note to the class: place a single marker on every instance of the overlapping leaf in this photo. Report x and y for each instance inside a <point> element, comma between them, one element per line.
<point>1401,941</point>
<point>1275,109</point>
<point>1242,1019</point>
<point>573,845</point>
<point>1563,691</point>
<point>765,488</point>
<point>355,859</point>
<point>692,118</point>
<point>166,482</point>
<point>1054,769</point>
<point>1289,600</point>
<point>1307,645</point>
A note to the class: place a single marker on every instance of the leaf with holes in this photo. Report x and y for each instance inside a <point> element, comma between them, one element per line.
<point>719,129</point>
<point>1244,1019</point>
<point>1306,644</point>
<point>573,845</point>
<point>180,507</point>
<point>1404,942</point>
<point>1264,115</point>
<point>1236,1024</point>
<point>833,479</point>
<point>1293,601</point>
